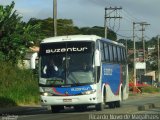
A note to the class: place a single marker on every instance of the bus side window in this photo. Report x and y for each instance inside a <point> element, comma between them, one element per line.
<point>119,54</point>
<point>106,50</point>
<point>102,51</point>
<point>111,53</point>
<point>115,54</point>
<point>98,70</point>
<point>122,55</point>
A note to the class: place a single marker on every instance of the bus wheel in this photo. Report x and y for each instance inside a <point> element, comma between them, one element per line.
<point>56,109</point>
<point>111,105</point>
<point>117,104</point>
<point>99,106</point>
<point>121,94</point>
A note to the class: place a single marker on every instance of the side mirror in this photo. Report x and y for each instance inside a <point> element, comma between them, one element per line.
<point>97,58</point>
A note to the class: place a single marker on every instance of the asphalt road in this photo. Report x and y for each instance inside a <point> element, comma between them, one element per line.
<point>134,105</point>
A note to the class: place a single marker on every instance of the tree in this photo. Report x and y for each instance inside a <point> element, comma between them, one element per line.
<point>15,35</point>
<point>64,26</point>
<point>46,26</point>
<point>67,27</point>
<point>97,30</point>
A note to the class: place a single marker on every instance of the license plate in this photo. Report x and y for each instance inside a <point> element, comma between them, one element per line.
<point>67,100</point>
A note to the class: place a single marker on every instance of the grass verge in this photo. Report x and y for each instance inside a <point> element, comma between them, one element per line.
<point>17,86</point>
<point>150,89</point>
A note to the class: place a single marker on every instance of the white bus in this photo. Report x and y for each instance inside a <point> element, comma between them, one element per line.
<point>82,70</point>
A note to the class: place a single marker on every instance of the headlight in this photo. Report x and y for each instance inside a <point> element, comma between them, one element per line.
<point>88,92</point>
<point>45,94</point>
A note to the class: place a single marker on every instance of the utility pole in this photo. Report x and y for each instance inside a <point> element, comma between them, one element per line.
<point>158,61</point>
<point>134,59</point>
<point>55,17</point>
<point>134,49</point>
<point>126,47</point>
<point>143,24</point>
<point>108,12</point>
<point>105,24</point>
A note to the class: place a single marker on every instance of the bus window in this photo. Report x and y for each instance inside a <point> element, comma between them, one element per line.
<point>102,51</point>
<point>106,50</point>
<point>115,53</point>
<point>122,55</point>
<point>111,53</point>
<point>119,54</point>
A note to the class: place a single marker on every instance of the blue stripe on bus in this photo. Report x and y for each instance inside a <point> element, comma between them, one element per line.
<point>71,90</point>
<point>111,75</point>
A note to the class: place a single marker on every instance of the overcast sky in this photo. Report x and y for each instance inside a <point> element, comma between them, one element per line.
<point>91,13</point>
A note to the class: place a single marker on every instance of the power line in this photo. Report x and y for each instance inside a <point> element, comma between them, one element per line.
<point>109,15</point>
<point>128,37</point>
<point>131,16</point>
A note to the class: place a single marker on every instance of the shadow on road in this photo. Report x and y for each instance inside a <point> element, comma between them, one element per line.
<point>40,110</point>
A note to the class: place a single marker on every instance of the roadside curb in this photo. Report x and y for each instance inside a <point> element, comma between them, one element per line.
<point>148,106</point>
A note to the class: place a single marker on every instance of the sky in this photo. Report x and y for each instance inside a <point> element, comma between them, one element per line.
<point>89,13</point>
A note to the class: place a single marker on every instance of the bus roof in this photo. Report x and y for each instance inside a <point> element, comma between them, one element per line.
<point>71,38</point>
<point>78,38</point>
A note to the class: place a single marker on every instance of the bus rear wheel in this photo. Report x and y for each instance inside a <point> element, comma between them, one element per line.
<point>111,104</point>
<point>117,104</point>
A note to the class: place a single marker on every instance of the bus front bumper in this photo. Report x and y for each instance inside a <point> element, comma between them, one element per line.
<point>69,100</point>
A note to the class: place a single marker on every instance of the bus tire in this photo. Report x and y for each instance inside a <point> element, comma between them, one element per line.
<point>117,104</point>
<point>99,106</point>
<point>111,104</point>
<point>121,94</point>
<point>56,109</point>
<point>104,96</point>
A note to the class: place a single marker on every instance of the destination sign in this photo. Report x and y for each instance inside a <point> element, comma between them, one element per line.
<point>67,47</point>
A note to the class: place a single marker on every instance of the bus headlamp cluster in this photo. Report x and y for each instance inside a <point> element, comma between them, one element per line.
<point>46,94</point>
<point>83,93</point>
<point>88,92</point>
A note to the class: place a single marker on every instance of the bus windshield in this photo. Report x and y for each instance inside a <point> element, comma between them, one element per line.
<point>67,63</point>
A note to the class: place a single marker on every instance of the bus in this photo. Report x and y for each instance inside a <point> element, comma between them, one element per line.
<point>82,70</point>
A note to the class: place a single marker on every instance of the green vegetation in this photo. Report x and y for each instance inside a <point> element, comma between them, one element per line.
<point>15,35</point>
<point>17,86</point>
<point>67,27</point>
<point>150,89</point>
